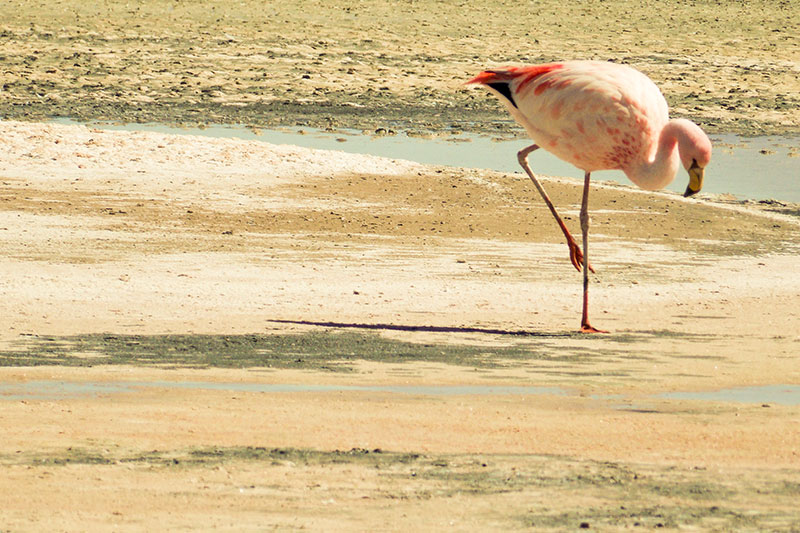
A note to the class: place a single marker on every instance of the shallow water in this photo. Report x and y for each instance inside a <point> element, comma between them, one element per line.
<point>63,390</point>
<point>755,168</point>
<point>60,390</point>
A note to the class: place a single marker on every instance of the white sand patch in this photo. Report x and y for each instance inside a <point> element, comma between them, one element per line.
<point>169,166</point>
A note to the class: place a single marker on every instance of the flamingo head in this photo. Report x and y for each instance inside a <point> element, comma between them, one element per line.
<point>694,147</point>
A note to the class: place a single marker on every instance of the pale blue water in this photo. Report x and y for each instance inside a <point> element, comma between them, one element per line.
<point>738,166</point>
<point>55,390</point>
<point>62,390</point>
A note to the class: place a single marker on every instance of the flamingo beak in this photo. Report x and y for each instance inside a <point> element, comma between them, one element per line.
<point>696,174</point>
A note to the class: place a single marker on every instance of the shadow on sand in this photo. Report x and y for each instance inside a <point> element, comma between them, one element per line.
<point>415,328</point>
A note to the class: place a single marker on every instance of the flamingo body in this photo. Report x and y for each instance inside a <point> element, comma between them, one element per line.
<point>599,116</point>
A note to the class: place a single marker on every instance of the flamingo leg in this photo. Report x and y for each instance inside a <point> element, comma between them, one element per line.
<point>585,326</point>
<point>575,254</point>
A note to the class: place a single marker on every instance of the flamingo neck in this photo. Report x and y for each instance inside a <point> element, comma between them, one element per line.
<point>661,169</point>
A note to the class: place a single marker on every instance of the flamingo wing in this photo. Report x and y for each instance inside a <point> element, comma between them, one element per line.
<point>592,114</point>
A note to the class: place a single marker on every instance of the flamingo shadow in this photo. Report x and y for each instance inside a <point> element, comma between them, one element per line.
<point>416,328</point>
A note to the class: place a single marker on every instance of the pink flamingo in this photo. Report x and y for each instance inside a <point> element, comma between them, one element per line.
<point>599,116</point>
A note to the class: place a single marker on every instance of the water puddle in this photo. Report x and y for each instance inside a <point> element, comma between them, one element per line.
<point>65,390</point>
<point>754,168</point>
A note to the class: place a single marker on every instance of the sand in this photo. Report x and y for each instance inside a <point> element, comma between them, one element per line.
<point>132,257</point>
<point>730,66</point>
<point>148,236</point>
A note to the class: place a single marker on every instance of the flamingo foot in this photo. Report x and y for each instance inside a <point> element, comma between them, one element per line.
<point>588,328</point>
<point>576,256</point>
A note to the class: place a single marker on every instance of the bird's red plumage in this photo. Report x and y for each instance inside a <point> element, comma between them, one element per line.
<point>528,73</point>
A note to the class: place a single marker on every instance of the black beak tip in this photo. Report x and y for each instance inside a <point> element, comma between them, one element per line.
<point>689,192</point>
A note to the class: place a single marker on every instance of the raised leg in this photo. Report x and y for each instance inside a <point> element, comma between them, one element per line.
<point>575,254</point>
<point>585,326</point>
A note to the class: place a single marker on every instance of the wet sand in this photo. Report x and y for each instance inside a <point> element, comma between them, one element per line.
<point>132,256</point>
<point>139,256</point>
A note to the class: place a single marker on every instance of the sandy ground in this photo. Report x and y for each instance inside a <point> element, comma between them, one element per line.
<point>731,66</point>
<point>153,235</point>
<point>148,258</point>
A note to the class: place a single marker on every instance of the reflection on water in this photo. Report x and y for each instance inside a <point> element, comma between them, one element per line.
<point>63,390</point>
<point>755,168</point>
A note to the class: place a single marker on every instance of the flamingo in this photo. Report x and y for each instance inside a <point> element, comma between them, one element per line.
<point>598,116</point>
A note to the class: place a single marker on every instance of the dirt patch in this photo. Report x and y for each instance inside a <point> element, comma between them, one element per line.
<point>335,352</point>
<point>613,495</point>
